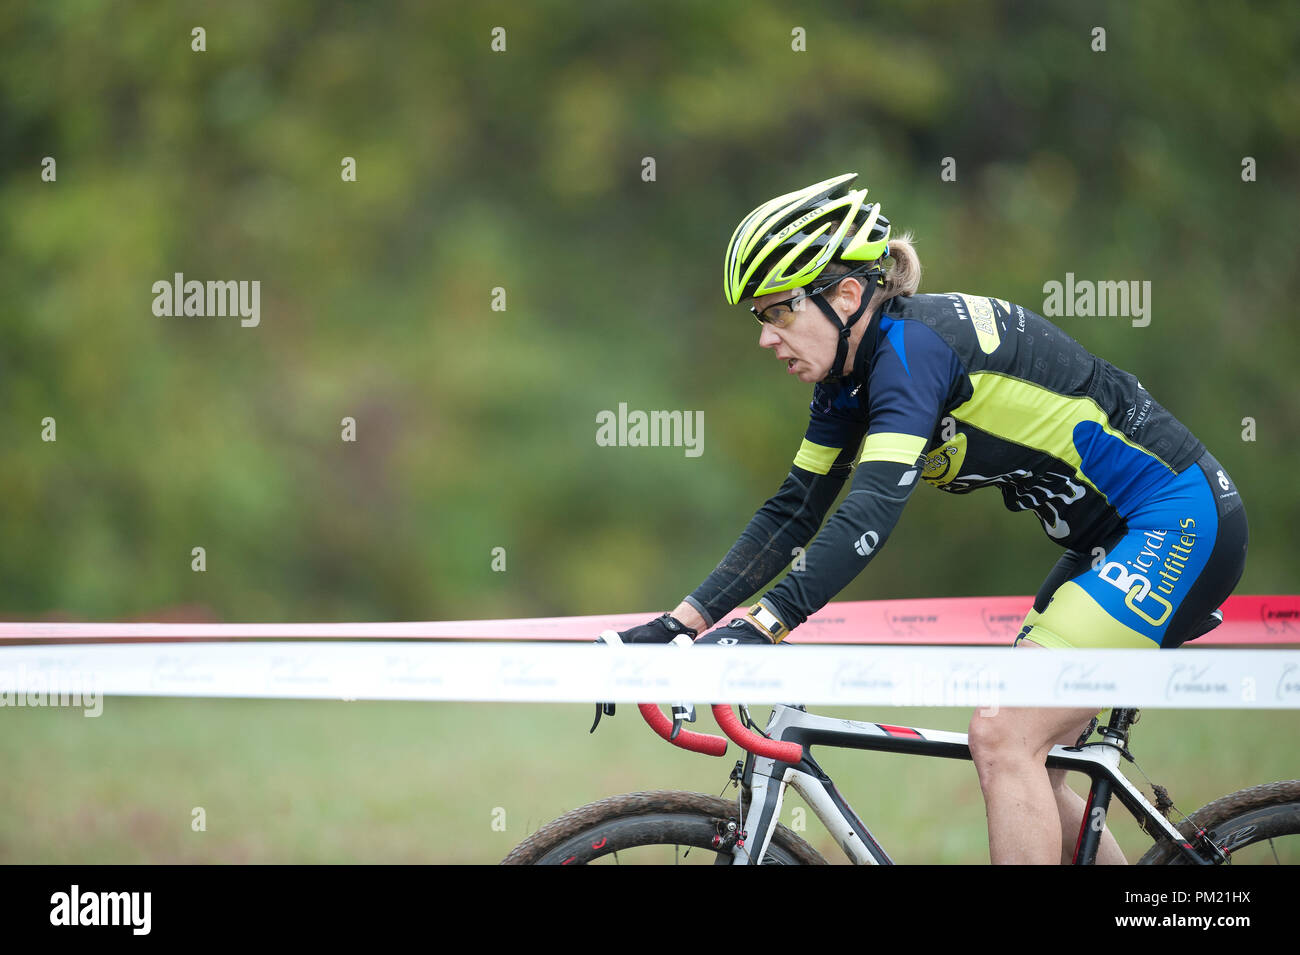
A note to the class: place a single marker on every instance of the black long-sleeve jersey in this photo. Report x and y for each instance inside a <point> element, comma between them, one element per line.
<point>960,392</point>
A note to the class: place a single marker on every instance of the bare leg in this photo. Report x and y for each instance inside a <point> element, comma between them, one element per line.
<point>1033,816</point>
<point>1069,807</point>
<point>1010,747</point>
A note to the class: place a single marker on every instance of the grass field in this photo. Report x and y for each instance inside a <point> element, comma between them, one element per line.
<point>328,782</point>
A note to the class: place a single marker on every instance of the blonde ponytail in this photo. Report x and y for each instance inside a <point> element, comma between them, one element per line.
<point>902,270</point>
<point>904,276</point>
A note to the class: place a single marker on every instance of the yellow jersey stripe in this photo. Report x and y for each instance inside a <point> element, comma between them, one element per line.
<point>892,446</point>
<point>816,458</point>
<point>1023,413</point>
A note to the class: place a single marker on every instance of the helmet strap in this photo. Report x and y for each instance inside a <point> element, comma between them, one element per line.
<point>846,328</point>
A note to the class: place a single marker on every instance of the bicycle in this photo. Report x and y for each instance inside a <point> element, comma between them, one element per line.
<point>746,830</point>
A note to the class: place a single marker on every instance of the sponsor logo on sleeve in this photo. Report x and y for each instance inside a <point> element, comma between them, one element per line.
<point>866,544</point>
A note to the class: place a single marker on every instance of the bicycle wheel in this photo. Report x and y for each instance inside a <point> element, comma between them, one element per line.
<point>1260,825</point>
<point>670,828</point>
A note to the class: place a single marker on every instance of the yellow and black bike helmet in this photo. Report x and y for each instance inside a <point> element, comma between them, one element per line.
<point>786,242</point>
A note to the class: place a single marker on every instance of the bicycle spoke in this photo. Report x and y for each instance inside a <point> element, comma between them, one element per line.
<point>1273,849</point>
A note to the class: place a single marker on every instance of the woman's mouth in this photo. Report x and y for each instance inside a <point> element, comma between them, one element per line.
<point>790,363</point>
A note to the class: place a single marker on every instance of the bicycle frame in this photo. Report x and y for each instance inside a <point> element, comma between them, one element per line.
<point>766,778</point>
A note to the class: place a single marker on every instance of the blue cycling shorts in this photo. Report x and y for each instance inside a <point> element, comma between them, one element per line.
<point>1153,583</point>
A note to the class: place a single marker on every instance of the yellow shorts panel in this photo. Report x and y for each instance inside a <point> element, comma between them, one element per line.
<point>1073,620</point>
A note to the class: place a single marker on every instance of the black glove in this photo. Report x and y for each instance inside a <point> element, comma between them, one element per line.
<point>740,632</point>
<point>662,629</point>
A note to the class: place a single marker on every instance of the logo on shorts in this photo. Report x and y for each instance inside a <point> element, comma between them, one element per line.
<point>1137,592</point>
<point>1148,602</point>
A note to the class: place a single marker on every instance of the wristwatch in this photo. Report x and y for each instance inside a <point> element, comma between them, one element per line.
<point>768,622</point>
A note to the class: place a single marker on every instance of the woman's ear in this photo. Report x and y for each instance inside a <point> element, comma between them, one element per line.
<point>846,291</point>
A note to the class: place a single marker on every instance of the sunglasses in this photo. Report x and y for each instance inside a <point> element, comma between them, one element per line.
<point>781,314</point>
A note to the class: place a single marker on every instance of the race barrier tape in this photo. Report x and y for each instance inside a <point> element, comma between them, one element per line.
<point>1249,620</point>
<point>559,673</point>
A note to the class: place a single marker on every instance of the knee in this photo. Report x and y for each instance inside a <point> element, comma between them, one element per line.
<point>991,740</point>
<point>999,740</point>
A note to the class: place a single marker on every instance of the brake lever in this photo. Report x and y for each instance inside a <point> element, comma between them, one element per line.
<point>682,713</point>
<point>745,718</point>
<point>609,638</point>
<point>607,709</point>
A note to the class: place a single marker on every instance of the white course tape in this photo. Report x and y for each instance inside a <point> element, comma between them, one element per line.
<point>895,676</point>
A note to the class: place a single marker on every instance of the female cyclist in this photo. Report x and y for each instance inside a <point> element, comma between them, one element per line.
<point>962,392</point>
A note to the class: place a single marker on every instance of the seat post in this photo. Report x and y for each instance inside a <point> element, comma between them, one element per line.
<point>1116,731</point>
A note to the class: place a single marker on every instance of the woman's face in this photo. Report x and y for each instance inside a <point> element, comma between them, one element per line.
<point>807,343</point>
